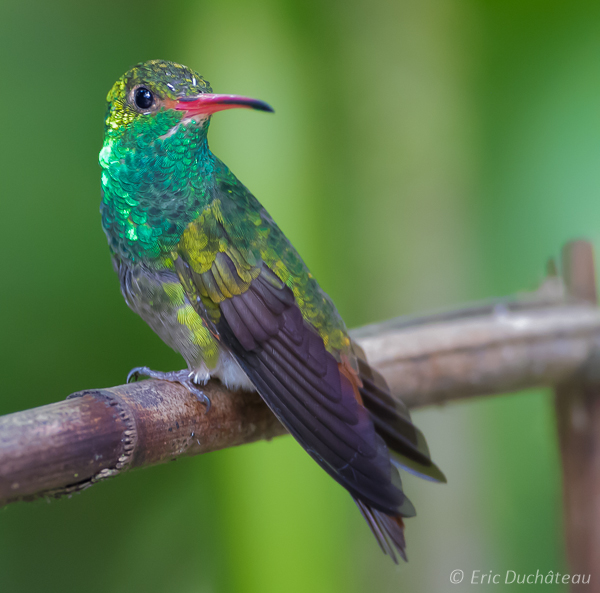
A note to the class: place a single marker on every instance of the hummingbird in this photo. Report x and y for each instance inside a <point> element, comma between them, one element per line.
<point>204,264</point>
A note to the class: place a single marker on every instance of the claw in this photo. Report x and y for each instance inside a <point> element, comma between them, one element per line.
<point>182,377</point>
<point>136,373</point>
<point>200,395</point>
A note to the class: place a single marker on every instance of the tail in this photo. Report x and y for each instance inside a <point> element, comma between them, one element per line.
<point>387,529</point>
<point>408,447</point>
<point>408,450</point>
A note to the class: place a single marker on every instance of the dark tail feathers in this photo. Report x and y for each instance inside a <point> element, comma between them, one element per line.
<point>392,421</point>
<point>388,530</point>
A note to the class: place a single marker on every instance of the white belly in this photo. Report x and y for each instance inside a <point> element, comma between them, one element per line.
<point>228,371</point>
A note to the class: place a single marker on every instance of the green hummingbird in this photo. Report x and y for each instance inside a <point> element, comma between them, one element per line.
<point>203,263</point>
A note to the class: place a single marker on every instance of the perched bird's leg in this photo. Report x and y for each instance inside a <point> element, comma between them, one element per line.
<point>183,377</point>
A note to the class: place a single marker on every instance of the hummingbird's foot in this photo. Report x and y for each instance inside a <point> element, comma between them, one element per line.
<point>183,377</point>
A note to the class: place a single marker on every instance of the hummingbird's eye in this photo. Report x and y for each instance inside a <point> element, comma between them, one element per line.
<point>143,98</point>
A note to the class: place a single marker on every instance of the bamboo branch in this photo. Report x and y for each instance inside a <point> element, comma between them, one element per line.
<point>497,353</point>
<point>578,419</point>
<point>68,446</point>
<point>538,339</point>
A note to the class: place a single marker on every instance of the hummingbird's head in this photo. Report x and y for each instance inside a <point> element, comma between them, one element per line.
<point>156,166</point>
<point>154,98</point>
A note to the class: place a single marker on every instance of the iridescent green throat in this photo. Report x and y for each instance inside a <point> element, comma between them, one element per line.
<point>157,177</point>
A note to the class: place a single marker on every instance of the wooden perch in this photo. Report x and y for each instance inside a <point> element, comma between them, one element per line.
<point>94,434</point>
<point>578,419</point>
<point>539,339</point>
<point>547,338</point>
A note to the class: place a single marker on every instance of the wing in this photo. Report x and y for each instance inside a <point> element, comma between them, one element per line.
<point>311,393</point>
<point>392,421</point>
<point>312,387</point>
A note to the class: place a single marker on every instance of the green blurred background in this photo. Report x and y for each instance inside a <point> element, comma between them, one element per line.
<point>422,154</point>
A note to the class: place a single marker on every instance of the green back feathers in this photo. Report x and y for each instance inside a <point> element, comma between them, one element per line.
<point>236,224</point>
<point>165,196</point>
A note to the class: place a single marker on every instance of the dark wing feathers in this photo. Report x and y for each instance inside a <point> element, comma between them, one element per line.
<point>406,442</point>
<point>314,395</point>
<point>287,361</point>
<point>377,388</point>
<point>327,440</point>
